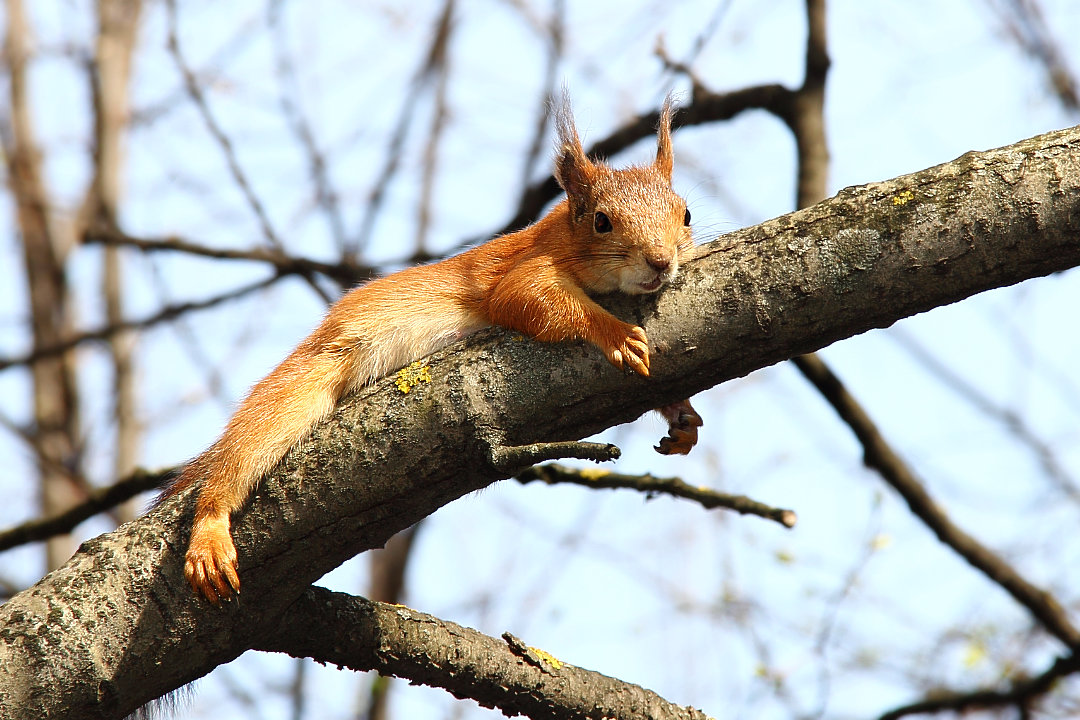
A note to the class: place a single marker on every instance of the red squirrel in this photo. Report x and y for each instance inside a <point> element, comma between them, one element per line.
<point>616,230</point>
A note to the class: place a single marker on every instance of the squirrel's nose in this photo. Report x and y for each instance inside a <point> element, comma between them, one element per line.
<point>659,264</point>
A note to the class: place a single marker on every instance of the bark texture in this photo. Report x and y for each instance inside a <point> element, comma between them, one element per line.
<point>118,626</point>
<point>364,635</point>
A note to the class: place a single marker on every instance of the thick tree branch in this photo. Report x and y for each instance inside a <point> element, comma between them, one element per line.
<point>863,259</point>
<point>395,640</point>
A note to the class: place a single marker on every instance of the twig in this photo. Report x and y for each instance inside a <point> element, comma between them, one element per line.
<point>239,177</point>
<point>347,272</point>
<point>98,501</point>
<point>879,456</point>
<point>325,195</point>
<point>1021,694</point>
<point>515,458</point>
<point>1024,21</point>
<point>430,163</point>
<point>195,92</point>
<point>1013,422</point>
<point>167,313</point>
<point>555,41</point>
<point>434,57</point>
<point>706,497</point>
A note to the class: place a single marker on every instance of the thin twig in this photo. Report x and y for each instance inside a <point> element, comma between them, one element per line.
<point>439,114</point>
<point>346,272</point>
<point>432,60</point>
<point>1024,21</point>
<point>167,313</point>
<point>708,498</point>
<point>881,457</point>
<point>555,40</point>
<point>1021,694</point>
<point>1012,420</point>
<point>98,501</point>
<point>326,197</point>
<point>195,92</point>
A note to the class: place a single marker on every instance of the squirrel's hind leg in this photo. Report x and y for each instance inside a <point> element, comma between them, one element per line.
<point>683,422</point>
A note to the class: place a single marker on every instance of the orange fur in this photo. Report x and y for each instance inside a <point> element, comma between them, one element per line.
<point>536,281</point>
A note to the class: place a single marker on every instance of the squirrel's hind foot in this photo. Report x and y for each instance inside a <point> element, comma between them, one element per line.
<point>210,564</point>
<point>683,422</point>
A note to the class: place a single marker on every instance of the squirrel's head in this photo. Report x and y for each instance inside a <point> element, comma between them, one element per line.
<point>633,229</point>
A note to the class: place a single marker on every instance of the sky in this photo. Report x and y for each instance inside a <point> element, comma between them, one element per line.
<point>719,611</point>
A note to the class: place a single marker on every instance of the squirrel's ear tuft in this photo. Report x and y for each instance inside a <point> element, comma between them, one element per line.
<point>665,156</point>
<point>573,170</point>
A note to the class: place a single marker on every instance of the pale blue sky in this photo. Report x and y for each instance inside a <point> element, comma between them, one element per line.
<point>701,607</point>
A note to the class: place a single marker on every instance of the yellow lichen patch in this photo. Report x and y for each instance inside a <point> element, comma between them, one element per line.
<point>881,541</point>
<point>593,473</point>
<point>974,654</point>
<point>547,657</point>
<point>903,198</point>
<point>411,376</point>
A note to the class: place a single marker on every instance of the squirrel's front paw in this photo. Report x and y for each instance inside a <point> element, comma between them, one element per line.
<point>210,565</point>
<point>631,350</point>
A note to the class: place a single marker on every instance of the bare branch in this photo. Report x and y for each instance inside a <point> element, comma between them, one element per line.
<point>196,95</point>
<point>1024,21</point>
<point>1022,693</point>
<point>326,197</point>
<point>508,675</point>
<point>555,39</point>
<point>708,498</point>
<point>347,272</point>
<point>435,57</point>
<point>100,500</point>
<point>439,113</point>
<point>1011,420</point>
<point>881,457</point>
<point>167,313</point>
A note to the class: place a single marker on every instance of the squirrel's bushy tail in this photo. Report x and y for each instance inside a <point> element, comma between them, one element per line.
<point>278,412</point>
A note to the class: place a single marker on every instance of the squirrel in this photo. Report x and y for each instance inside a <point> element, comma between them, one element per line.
<point>617,230</point>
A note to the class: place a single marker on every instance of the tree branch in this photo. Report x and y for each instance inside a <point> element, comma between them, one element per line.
<point>100,500</point>
<point>395,640</point>
<point>346,271</point>
<point>1022,692</point>
<point>708,498</point>
<point>881,457</point>
<point>169,312</point>
<point>384,459</point>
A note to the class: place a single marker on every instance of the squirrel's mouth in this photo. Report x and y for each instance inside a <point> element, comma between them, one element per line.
<point>652,284</point>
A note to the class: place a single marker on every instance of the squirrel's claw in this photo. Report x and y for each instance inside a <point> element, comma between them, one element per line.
<point>210,564</point>
<point>683,422</point>
<point>631,351</point>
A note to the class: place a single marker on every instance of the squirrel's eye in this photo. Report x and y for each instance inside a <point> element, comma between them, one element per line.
<point>686,218</point>
<point>601,223</point>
